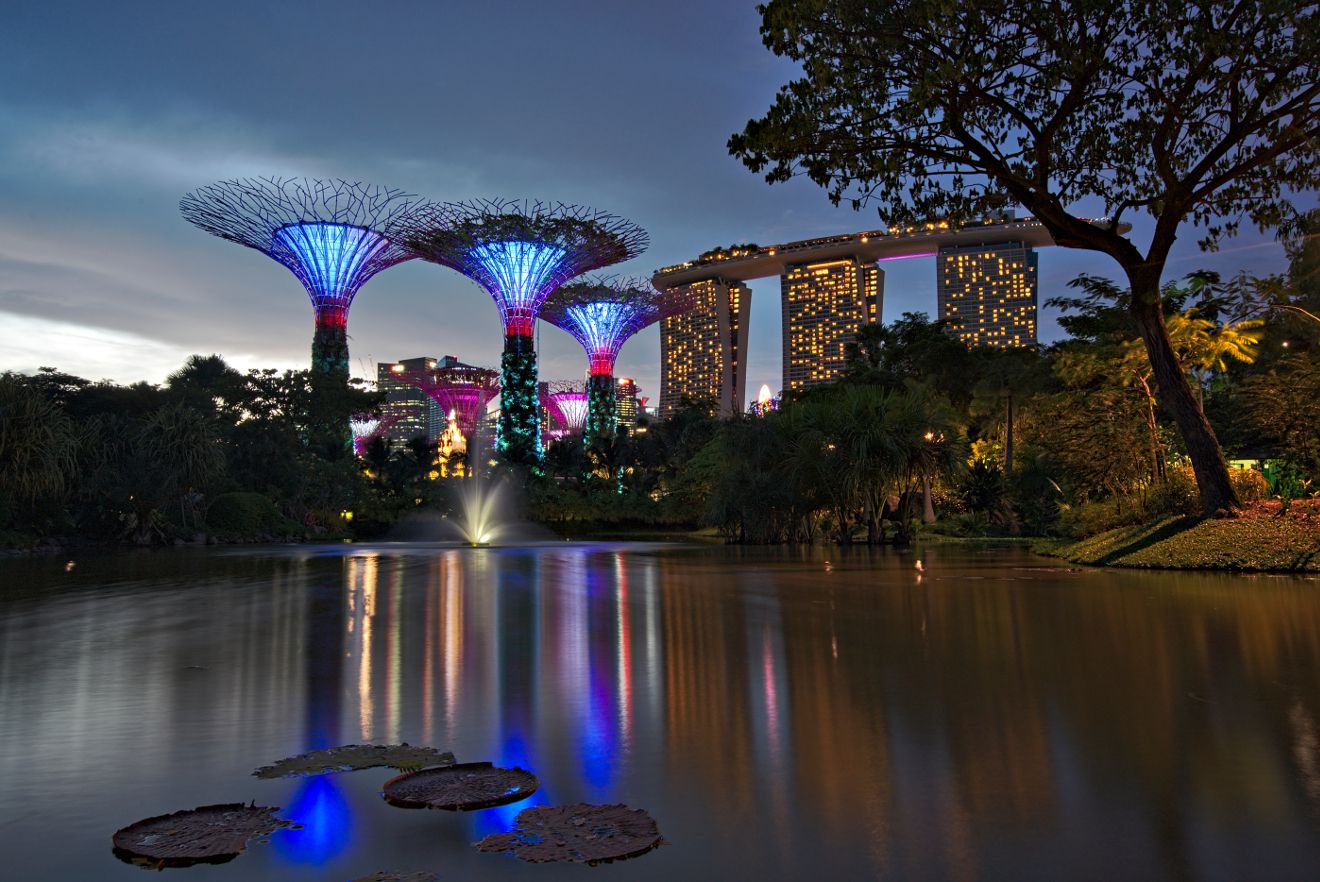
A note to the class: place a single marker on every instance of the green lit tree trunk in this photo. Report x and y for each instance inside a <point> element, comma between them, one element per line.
<point>330,352</point>
<point>600,408</point>
<point>328,421</point>
<point>519,438</point>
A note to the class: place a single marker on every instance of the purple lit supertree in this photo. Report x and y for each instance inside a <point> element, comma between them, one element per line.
<point>602,314</point>
<point>366,427</point>
<point>566,400</point>
<point>520,252</point>
<point>333,235</point>
<point>461,390</point>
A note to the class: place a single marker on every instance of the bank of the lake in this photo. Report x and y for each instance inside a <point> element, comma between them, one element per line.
<point>1266,537</point>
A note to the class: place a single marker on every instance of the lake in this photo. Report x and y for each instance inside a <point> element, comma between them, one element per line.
<point>807,714</point>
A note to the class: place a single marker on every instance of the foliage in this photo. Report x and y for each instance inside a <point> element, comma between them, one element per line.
<point>247,516</point>
<point>1201,112</point>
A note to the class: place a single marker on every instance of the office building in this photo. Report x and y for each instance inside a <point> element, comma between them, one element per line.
<point>625,403</point>
<point>411,410</point>
<point>989,293</point>
<point>824,305</point>
<point>703,351</point>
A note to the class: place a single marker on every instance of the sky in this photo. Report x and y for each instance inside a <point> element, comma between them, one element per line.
<point>112,111</point>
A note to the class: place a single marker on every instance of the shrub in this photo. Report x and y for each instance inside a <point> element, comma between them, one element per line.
<point>1249,484</point>
<point>1176,495</point>
<point>246,516</point>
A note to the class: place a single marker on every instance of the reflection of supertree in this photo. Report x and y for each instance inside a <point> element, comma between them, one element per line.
<point>602,314</point>
<point>366,427</point>
<point>520,252</point>
<point>333,235</point>
<point>567,403</point>
<point>460,389</point>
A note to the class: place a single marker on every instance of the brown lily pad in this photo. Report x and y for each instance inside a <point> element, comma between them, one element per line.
<point>352,757</point>
<point>397,877</point>
<point>209,834</point>
<point>464,787</point>
<point>587,834</point>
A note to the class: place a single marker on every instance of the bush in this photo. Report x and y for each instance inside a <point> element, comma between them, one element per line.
<point>1090,518</point>
<point>239,516</point>
<point>1176,495</point>
<point>1249,484</point>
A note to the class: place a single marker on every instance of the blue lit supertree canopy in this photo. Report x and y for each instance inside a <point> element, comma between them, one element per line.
<point>333,235</point>
<point>520,252</point>
<point>602,314</point>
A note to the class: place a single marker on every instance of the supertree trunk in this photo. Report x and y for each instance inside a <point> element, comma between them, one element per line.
<point>329,429</point>
<point>330,352</point>
<point>519,439</point>
<point>600,408</point>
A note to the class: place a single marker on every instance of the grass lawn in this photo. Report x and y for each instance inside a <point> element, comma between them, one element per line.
<point>1261,538</point>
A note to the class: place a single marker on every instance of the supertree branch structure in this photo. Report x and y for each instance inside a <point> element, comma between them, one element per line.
<point>333,235</point>
<point>567,402</point>
<point>602,314</point>
<point>520,252</point>
<point>366,427</point>
<point>461,390</point>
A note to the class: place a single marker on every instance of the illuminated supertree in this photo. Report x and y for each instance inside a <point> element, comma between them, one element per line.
<point>461,390</point>
<point>366,427</point>
<point>567,403</point>
<point>333,235</point>
<point>602,314</point>
<point>520,252</point>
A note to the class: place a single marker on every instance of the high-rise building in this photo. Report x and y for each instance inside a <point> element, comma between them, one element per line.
<point>625,403</point>
<point>988,292</point>
<point>824,305</point>
<point>412,410</point>
<point>703,351</point>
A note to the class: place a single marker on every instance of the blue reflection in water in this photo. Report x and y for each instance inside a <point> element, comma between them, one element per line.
<point>326,821</point>
<point>513,752</point>
<point>598,745</point>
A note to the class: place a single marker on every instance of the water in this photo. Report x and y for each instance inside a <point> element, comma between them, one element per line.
<point>994,718</point>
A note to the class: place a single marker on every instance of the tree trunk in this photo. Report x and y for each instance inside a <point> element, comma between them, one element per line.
<point>928,504</point>
<point>1008,437</point>
<point>1177,398</point>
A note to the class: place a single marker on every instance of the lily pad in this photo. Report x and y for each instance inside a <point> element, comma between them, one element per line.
<point>397,877</point>
<point>351,757</point>
<point>464,787</point>
<point>209,834</point>
<point>587,834</point>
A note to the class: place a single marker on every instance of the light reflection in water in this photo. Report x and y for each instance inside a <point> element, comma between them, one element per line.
<point>327,823</point>
<point>966,727</point>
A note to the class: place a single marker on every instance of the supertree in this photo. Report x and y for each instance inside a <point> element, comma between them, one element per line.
<point>333,235</point>
<point>365,427</point>
<point>602,314</point>
<point>567,402</point>
<point>460,389</point>
<point>520,252</point>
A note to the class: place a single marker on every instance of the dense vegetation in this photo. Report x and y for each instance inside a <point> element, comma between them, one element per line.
<point>1069,440</point>
<point>1200,114</point>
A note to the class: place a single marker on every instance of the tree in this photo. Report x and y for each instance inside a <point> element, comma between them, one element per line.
<point>1186,110</point>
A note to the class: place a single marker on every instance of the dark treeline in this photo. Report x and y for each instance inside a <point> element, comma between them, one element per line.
<point>1067,440</point>
<point>920,430</point>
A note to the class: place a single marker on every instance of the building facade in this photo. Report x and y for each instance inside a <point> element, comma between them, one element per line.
<point>703,351</point>
<point>989,293</point>
<point>823,306</point>
<point>412,410</point>
<point>625,403</point>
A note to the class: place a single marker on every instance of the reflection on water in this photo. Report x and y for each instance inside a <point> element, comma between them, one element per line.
<point>994,719</point>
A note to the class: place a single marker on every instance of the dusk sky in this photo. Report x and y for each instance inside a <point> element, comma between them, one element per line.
<point>112,111</point>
